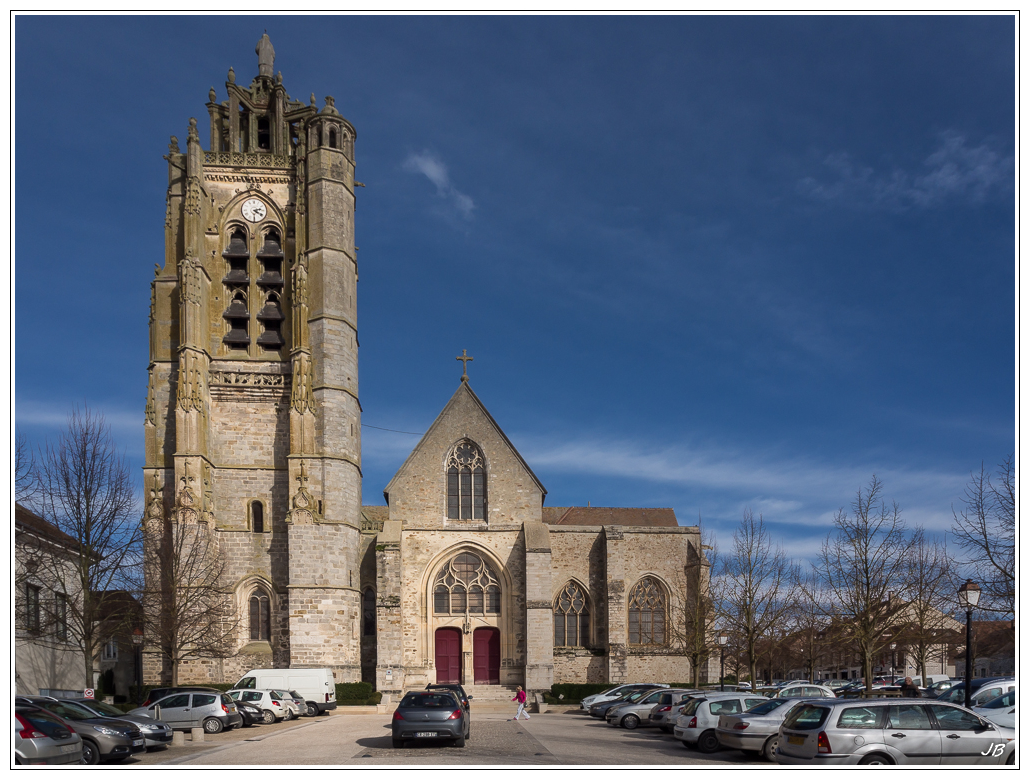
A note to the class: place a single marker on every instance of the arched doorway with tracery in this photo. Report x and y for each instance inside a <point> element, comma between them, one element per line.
<point>468,619</point>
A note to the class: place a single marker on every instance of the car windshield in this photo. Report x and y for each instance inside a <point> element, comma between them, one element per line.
<point>426,701</point>
<point>104,709</point>
<point>1005,700</point>
<point>69,710</point>
<point>766,707</point>
<point>807,716</point>
<point>691,706</point>
<point>247,682</point>
<point>295,695</point>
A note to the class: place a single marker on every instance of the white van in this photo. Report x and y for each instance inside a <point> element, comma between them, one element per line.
<point>316,686</point>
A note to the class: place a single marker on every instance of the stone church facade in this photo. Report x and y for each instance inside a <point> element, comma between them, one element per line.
<point>253,432</point>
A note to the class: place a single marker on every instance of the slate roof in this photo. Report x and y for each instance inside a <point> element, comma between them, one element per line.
<point>609,515</point>
<point>29,522</point>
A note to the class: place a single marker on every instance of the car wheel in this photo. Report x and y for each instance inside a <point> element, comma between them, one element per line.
<point>460,741</point>
<point>708,742</point>
<point>398,743</point>
<point>1011,760</point>
<point>686,744</point>
<point>312,709</point>
<point>630,722</point>
<point>267,717</point>
<point>874,759</point>
<point>769,749</point>
<point>90,753</point>
<point>213,726</point>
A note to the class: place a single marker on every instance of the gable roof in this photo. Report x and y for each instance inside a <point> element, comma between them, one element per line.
<point>463,388</point>
<point>29,522</point>
<point>609,515</point>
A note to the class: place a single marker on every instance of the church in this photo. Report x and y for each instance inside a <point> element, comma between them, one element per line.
<point>253,433</point>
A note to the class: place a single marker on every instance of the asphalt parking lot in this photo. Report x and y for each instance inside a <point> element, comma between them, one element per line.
<point>337,739</point>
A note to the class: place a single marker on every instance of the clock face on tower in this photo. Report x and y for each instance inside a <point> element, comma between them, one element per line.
<point>254,210</point>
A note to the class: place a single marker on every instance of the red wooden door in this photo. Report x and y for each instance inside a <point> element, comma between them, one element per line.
<point>448,655</point>
<point>486,656</point>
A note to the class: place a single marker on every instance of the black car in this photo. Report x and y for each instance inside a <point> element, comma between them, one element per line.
<point>249,713</point>
<point>462,696</point>
<point>431,715</point>
<point>103,739</point>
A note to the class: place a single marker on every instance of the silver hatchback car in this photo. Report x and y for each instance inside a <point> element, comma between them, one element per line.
<point>891,731</point>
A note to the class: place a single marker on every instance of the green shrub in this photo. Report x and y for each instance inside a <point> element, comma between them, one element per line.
<point>353,692</point>
<point>376,698</point>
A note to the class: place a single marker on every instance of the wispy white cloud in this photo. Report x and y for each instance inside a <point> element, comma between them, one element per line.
<point>53,418</point>
<point>433,168</point>
<point>796,491</point>
<point>955,170</point>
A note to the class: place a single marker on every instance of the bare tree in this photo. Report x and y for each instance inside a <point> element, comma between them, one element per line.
<point>986,530</point>
<point>698,613</point>
<point>810,634</point>
<point>759,587</point>
<point>860,566</point>
<point>186,603</point>
<point>24,471</point>
<point>84,489</point>
<point>930,596</point>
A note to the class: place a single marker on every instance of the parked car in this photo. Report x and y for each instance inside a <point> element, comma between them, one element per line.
<point>295,706</point>
<point>463,697</point>
<point>250,713</point>
<point>803,691</point>
<point>156,694</point>
<point>1001,710</point>
<point>272,708</point>
<point>629,715</point>
<point>103,739</point>
<point>316,685</point>
<point>664,715</point>
<point>991,687</point>
<point>617,692</point>
<point>756,730</point>
<point>697,724</point>
<point>891,731</point>
<point>600,709</point>
<point>935,689</point>
<point>156,733</point>
<point>40,737</point>
<point>211,711</point>
<point>430,715</point>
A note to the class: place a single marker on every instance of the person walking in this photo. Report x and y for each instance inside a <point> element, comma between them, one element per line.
<point>520,697</point>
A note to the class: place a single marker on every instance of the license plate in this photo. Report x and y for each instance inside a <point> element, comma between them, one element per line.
<point>137,742</point>
<point>425,733</point>
<point>796,740</point>
<point>69,748</point>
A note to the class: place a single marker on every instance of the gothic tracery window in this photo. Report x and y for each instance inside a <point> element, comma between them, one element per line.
<point>466,482</point>
<point>647,610</point>
<point>571,617</point>
<point>466,582</point>
<point>260,617</point>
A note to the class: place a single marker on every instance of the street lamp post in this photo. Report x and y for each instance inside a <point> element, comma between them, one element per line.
<point>137,644</point>
<point>969,597</point>
<point>723,638</point>
<point>893,646</point>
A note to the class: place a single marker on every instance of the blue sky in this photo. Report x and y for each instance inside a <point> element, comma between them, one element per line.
<point>701,262</point>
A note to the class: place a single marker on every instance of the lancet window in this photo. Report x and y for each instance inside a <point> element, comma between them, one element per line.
<point>466,583</point>
<point>647,611</point>
<point>260,616</point>
<point>466,482</point>
<point>571,617</point>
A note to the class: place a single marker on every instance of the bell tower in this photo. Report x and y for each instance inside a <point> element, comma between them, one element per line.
<point>252,406</point>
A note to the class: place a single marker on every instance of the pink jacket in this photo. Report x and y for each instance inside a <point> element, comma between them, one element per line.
<point>520,697</point>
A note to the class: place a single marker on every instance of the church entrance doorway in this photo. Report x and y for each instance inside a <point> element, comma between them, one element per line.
<point>486,656</point>
<point>448,655</point>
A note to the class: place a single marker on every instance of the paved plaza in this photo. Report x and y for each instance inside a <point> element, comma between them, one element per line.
<point>364,740</point>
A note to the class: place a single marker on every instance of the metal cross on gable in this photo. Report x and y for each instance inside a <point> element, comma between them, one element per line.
<point>464,358</point>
